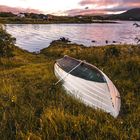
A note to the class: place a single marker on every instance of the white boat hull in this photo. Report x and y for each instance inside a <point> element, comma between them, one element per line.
<point>103,96</point>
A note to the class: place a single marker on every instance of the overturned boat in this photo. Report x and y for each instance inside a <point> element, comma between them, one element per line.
<point>87,82</point>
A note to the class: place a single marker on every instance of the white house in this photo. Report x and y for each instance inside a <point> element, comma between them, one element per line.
<point>21,15</point>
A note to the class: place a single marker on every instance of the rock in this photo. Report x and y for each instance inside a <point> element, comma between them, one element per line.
<point>93,41</point>
<point>106,41</point>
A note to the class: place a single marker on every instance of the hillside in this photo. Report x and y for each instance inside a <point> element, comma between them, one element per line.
<point>31,108</point>
<point>133,14</point>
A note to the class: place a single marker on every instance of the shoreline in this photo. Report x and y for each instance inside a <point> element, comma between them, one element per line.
<point>113,22</point>
<point>76,44</point>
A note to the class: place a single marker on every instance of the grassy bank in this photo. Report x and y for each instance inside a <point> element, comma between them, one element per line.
<point>31,109</point>
<point>54,20</point>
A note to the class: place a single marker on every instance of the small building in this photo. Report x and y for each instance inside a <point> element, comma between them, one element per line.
<point>49,17</point>
<point>80,17</point>
<point>21,15</point>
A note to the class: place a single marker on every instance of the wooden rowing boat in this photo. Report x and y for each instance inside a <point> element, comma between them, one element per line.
<point>87,82</point>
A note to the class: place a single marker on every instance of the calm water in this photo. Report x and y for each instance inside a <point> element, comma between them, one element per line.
<point>34,37</point>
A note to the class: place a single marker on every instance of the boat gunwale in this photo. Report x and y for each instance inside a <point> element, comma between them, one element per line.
<point>88,65</point>
<point>114,112</point>
<point>117,104</point>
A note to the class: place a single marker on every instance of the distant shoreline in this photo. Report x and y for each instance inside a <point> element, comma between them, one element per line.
<point>5,21</point>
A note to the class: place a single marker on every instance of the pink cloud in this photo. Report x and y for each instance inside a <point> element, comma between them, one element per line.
<point>104,6</point>
<point>74,12</point>
<point>85,12</point>
<point>16,10</point>
<point>98,2</point>
<point>116,3</point>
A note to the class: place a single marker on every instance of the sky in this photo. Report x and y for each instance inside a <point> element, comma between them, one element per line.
<point>73,7</point>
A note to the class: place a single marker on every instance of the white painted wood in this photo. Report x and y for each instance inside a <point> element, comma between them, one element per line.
<point>104,96</point>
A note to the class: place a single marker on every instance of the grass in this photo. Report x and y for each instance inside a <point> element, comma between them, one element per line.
<point>53,20</point>
<point>30,109</point>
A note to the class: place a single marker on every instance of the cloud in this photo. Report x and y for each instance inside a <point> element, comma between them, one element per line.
<point>106,2</point>
<point>97,2</point>
<point>84,12</point>
<point>110,3</point>
<point>104,7</point>
<point>74,12</point>
<point>72,7</point>
<point>16,10</point>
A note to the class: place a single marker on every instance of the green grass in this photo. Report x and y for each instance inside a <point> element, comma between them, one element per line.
<point>54,20</point>
<point>30,109</point>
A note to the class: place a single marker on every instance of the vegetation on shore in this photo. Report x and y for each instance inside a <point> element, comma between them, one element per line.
<point>57,20</point>
<point>30,109</point>
<point>32,18</point>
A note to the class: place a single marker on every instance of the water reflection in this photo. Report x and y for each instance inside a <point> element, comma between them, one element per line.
<point>34,37</point>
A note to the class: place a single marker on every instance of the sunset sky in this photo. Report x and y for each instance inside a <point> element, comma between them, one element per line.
<point>74,7</point>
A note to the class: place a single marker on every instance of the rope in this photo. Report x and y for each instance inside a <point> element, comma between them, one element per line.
<point>68,73</point>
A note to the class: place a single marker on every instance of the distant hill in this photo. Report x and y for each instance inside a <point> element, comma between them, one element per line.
<point>133,14</point>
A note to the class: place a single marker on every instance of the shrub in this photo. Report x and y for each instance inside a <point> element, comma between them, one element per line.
<point>6,43</point>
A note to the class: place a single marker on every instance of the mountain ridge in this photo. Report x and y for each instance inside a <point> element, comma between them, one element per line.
<point>132,14</point>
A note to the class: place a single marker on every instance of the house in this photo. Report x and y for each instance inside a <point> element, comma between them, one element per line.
<point>49,17</point>
<point>21,15</point>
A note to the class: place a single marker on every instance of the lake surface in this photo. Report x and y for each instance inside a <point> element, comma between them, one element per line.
<point>34,37</point>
